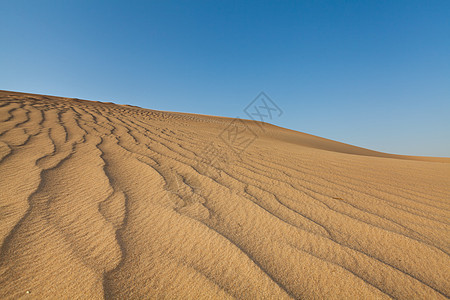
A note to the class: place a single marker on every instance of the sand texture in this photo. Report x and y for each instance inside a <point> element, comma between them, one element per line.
<point>99,200</point>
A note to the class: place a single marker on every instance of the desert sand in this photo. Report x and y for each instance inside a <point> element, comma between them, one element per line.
<point>99,200</point>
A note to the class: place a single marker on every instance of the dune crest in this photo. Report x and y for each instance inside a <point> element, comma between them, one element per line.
<point>100,200</point>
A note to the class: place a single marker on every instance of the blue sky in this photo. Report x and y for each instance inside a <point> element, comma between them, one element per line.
<point>375,74</point>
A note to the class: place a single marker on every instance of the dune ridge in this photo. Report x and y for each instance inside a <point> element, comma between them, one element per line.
<point>100,200</point>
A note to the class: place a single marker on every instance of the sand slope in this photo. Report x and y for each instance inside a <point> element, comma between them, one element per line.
<point>102,200</point>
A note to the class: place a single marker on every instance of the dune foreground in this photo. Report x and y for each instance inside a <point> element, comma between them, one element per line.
<point>99,200</point>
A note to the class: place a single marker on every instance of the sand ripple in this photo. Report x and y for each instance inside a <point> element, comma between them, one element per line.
<point>99,200</point>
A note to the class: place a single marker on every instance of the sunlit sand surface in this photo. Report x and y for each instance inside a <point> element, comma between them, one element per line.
<point>99,200</point>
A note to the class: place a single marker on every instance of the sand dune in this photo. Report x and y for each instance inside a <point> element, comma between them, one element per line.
<point>99,200</point>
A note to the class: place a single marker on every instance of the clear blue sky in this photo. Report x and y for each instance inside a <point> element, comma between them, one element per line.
<point>374,74</point>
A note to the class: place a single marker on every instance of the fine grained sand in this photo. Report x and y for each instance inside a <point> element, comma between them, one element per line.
<point>103,200</point>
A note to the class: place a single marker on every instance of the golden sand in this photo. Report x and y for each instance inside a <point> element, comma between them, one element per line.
<point>99,200</point>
